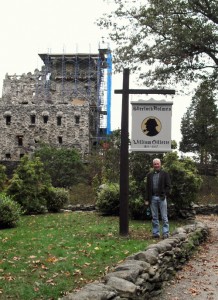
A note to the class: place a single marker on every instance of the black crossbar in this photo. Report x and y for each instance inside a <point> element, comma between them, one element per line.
<point>146,91</point>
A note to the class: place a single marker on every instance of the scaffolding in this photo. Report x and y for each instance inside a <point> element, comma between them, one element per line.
<point>109,89</point>
<point>85,76</point>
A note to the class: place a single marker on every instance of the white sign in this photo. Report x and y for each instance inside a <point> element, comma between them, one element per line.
<point>151,126</point>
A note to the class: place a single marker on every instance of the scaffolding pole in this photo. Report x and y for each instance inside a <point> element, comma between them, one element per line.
<point>109,86</point>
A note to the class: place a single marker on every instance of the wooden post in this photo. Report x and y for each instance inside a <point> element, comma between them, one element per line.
<point>124,161</point>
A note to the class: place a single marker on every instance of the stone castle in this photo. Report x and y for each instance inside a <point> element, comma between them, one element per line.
<point>62,105</point>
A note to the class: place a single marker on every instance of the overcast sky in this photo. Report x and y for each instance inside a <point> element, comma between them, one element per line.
<point>29,27</point>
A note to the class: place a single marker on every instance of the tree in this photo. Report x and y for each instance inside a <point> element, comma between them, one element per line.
<point>176,38</point>
<point>199,125</point>
<point>104,162</point>
<point>65,166</point>
<point>111,167</point>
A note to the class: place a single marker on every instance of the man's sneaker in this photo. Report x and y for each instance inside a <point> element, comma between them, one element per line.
<point>165,236</point>
<point>156,236</point>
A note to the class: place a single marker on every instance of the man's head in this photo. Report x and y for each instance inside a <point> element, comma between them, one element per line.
<point>156,164</point>
<point>151,124</point>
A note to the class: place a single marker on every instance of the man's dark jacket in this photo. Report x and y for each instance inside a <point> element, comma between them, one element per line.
<point>164,185</point>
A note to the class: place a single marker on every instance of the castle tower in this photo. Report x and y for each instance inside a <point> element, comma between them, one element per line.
<point>65,104</point>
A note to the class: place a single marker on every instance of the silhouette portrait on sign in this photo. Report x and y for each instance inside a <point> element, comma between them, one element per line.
<point>151,127</point>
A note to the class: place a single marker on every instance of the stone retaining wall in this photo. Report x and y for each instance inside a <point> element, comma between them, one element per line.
<point>206,209</point>
<point>142,275</point>
<point>190,212</point>
<point>187,214</point>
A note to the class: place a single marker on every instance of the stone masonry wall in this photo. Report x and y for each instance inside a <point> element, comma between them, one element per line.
<point>21,136</point>
<point>37,88</point>
<point>38,108</point>
<point>142,275</point>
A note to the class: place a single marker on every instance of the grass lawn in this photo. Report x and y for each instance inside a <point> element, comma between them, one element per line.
<point>49,255</point>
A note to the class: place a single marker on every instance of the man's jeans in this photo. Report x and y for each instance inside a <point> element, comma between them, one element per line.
<point>156,205</point>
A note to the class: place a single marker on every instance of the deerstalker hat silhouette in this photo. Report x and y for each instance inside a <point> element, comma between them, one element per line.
<point>152,122</point>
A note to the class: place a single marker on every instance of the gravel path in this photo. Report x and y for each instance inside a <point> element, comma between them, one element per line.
<point>199,277</point>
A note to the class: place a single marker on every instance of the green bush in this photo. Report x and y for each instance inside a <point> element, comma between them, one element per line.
<point>10,212</point>
<point>108,199</point>
<point>185,180</point>
<point>57,198</point>
<point>137,208</point>
<point>30,185</point>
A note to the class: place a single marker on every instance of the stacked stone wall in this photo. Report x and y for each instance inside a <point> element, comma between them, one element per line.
<point>142,275</point>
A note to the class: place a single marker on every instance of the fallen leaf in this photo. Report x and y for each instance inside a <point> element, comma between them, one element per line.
<point>52,259</point>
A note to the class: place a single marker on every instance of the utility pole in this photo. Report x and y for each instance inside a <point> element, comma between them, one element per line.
<point>124,149</point>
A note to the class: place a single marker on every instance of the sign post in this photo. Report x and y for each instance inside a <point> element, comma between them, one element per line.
<point>124,162</point>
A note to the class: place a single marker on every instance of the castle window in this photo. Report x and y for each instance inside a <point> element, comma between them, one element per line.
<point>77,119</point>
<point>59,121</point>
<point>33,119</point>
<point>45,119</point>
<point>8,120</point>
<point>45,115</point>
<point>21,155</point>
<point>8,155</point>
<point>20,140</point>
<point>60,140</point>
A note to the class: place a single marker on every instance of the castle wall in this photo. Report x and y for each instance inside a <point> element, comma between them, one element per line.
<point>48,107</point>
<point>23,128</point>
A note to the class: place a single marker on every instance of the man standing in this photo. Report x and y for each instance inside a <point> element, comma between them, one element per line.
<point>158,188</point>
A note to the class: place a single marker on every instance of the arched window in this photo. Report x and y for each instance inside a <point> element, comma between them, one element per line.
<point>20,140</point>
<point>45,119</point>
<point>77,119</point>
<point>59,119</point>
<point>33,119</point>
<point>8,120</point>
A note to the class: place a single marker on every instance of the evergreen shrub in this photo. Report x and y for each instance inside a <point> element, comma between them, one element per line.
<point>57,198</point>
<point>108,199</point>
<point>185,180</point>
<point>138,208</point>
<point>10,212</point>
<point>30,186</point>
